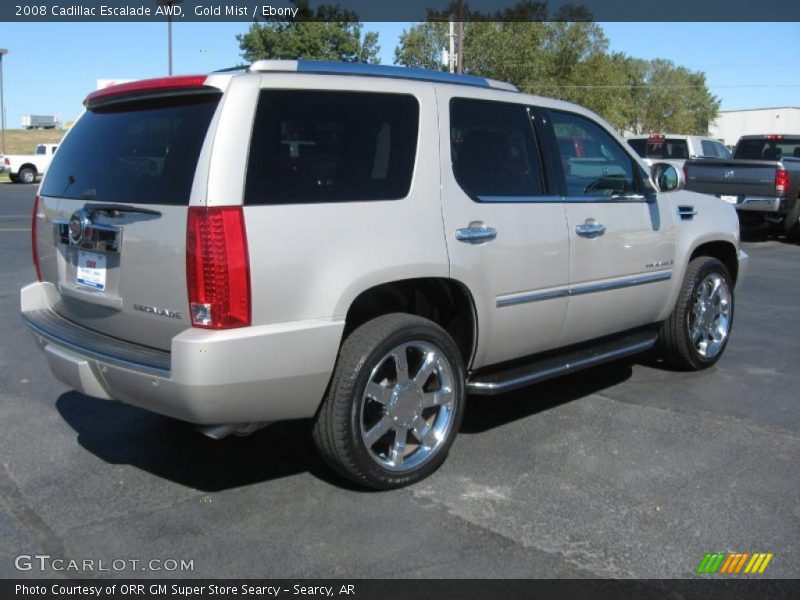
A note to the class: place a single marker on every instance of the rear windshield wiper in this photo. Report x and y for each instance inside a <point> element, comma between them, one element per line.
<point>115,210</point>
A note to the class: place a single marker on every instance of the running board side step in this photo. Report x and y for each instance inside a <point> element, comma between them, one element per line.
<point>505,380</point>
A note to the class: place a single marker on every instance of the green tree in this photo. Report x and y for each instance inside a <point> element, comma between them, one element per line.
<point>570,60</point>
<point>324,33</point>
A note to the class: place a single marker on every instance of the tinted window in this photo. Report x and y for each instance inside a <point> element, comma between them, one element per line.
<point>145,153</point>
<point>709,149</point>
<point>667,148</point>
<point>594,164</point>
<point>768,149</point>
<point>493,150</point>
<point>314,146</point>
<point>40,150</point>
<point>640,145</point>
<point>722,151</point>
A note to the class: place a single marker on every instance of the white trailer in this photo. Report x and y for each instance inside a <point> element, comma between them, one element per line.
<point>38,122</point>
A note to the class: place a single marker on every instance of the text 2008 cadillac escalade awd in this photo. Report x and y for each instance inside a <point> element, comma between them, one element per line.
<point>362,245</point>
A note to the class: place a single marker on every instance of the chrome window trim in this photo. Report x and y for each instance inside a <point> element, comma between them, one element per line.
<point>550,198</point>
<point>617,199</point>
<point>586,288</point>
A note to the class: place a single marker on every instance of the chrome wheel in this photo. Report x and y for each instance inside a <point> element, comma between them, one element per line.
<point>408,406</point>
<point>27,176</point>
<point>710,318</point>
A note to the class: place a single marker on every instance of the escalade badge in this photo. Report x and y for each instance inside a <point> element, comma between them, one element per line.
<point>729,174</point>
<point>153,310</point>
<point>78,222</point>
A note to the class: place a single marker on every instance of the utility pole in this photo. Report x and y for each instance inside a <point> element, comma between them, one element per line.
<point>452,56</point>
<point>3,52</point>
<point>460,63</point>
<point>169,4</point>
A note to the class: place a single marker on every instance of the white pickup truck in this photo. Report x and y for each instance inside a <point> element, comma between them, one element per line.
<point>24,168</point>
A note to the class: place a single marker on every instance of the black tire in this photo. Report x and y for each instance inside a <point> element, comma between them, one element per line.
<point>791,224</point>
<point>27,175</point>
<point>13,178</point>
<point>674,339</point>
<point>339,422</point>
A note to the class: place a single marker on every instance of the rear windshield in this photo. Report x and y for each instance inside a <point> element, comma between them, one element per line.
<point>138,153</point>
<point>668,148</point>
<point>768,149</point>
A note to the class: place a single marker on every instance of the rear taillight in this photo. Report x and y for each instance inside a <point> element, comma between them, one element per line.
<point>781,181</point>
<point>217,267</point>
<point>34,245</point>
<point>7,162</point>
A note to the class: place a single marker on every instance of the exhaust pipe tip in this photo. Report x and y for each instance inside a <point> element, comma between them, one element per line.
<point>218,432</point>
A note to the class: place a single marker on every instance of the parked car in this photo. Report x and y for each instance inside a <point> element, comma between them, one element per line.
<point>361,245</point>
<point>675,148</point>
<point>762,181</point>
<point>24,168</point>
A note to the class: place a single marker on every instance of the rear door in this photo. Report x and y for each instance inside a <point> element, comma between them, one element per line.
<point>505,225</point>
<point>111,225</point>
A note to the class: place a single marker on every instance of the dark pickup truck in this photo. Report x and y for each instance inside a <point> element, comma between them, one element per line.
<point>762,181</point>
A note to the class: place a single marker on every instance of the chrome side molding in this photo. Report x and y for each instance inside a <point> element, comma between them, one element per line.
<point>584,288</point>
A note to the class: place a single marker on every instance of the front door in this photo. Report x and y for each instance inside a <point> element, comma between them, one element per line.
<point>622,240</point>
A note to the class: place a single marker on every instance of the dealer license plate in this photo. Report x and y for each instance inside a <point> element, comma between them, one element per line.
<point>91,270</point>
<point>730,199</point>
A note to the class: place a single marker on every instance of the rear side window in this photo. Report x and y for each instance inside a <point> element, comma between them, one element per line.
<point>709,149</point>
<point>319,146</point>
<point>722,151</point>
<point>639,145</point>
<point>144,152</point>
<point>493,151</point>
<point>668,148</point>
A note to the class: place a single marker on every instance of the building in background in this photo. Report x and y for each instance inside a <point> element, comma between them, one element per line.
<point>733,124</point>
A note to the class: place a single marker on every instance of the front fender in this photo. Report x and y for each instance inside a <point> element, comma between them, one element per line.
<point>715,221</point>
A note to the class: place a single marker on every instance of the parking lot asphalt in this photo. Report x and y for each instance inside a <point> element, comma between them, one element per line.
<point>625,470</point>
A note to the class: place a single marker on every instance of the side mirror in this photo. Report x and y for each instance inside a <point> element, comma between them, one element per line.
<point>667,177</point>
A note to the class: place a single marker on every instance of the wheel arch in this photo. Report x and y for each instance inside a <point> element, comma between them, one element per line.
<point>28,166</point>
<point>445,301</point>
<point>724,251</point>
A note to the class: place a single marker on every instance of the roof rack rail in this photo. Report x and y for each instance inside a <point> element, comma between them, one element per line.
<point>343,68</point>
<point>231,69</point>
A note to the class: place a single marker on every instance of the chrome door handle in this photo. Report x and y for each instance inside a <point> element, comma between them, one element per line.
<point>476,233</point>
<point>590,230</point>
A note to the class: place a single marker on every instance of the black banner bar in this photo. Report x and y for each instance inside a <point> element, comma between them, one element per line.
<point>405,589</point>
<point>399,10</point>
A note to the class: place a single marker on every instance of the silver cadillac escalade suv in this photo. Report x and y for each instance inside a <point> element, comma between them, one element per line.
<point>364,246</point>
